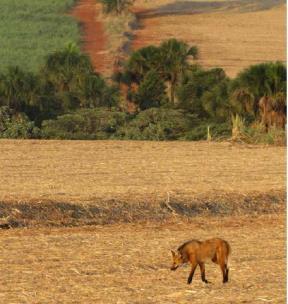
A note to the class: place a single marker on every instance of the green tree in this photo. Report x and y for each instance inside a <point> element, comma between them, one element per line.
<point>67,69</point>
<point>151,92</point>
<point>170,61</point>
<point>197,83</point>
<point>70,75</point>
<point>174,62</point>
<point>141,62</point>
<point>18,89</point>
<point>216,102</point>
<point>257,81</point>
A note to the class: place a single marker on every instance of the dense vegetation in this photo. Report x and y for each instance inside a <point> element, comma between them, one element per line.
<point>173,98</point>
<point>31,29</point>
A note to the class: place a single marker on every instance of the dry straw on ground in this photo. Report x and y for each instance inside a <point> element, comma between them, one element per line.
<point>78,171</point>
<point>102,182</point>
<point>130,264</point>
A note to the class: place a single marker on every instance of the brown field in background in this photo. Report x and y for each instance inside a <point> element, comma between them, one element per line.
<point>80,171</point>
<point>130,263</point>
<point>229,36</point>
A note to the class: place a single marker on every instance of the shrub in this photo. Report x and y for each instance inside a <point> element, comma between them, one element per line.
<point>116,6</point>
<point>84,124</point>
<point>16,126</point>
<point>256,134</point>
<point>217,131</point>
<point>156,124</point>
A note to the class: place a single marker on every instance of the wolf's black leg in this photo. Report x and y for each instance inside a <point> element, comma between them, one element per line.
<point>191,273</point>
<point>202,268</point>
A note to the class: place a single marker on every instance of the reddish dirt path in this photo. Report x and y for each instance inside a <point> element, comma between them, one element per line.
<point>94,38</point>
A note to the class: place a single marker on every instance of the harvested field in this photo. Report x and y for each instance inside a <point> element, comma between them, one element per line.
<point>83,171</point>
<point>98,218</point>
<point>216,189</point>
<point>75,183</point>
<point>230,34</point>
<point>130,263</point>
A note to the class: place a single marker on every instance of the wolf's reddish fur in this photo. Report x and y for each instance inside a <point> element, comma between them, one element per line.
<point>197,253</point>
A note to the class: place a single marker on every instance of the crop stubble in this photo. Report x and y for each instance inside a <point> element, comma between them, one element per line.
<point>80,171</point>
<point>130,263</point>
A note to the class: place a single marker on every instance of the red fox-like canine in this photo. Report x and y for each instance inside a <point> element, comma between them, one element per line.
<point>197,253</point>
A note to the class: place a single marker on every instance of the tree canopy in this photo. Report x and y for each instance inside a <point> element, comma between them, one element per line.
<point>162,85</point>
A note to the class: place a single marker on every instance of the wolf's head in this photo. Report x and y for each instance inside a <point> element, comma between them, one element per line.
<point>177,260</point>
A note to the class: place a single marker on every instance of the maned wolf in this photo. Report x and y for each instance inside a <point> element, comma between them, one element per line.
<point>197,253</point>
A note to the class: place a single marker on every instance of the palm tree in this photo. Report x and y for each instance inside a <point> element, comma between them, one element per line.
<point>143,61</point>
<point>243,101</point>
<point>66,69</point>
<point>256,82</point>
<point>139,64</point>
<point>19,89</point>
<point>96,93</point>
<point>170,61</point>
<point>261,91</point>
<point>174,57</point>
<point>65,72</point>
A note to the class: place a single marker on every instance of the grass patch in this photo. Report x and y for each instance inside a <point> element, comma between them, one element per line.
<point>257,135</point>
<point>31,29</point>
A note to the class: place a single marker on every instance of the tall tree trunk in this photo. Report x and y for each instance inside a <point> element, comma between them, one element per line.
<point>173,88</point>
<point>172,93</point>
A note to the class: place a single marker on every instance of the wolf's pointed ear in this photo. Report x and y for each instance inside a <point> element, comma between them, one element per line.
<point>173,253</point>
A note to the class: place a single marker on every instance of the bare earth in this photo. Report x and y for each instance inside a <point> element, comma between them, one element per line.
<point>130,263</point>
<point>85,170</point>
<point>94,40</point>
<point>229,34</point>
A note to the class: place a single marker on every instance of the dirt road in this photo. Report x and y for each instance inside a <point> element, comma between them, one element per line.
<point>93,34</point>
